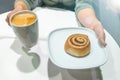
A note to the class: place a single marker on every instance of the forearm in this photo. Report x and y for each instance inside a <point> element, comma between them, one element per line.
<point>88,18</point>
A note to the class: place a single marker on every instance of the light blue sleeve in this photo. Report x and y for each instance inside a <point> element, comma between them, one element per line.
<point>31,3</point>
<point>82,4</point>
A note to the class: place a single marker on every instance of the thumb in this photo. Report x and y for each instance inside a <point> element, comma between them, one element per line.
<point>101,35</point>
<point>102,41</point>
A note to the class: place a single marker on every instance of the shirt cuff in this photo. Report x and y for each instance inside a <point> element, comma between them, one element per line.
<point>81,7</point>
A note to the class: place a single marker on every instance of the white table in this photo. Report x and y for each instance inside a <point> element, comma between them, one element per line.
<point>15,64</point>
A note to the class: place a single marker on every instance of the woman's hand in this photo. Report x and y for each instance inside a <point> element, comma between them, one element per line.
<point>98,29</point>
<point>11,13</point>
<point>19,5</point>
<point>88,19</point>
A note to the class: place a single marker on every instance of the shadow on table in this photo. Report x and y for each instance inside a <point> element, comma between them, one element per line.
<point>28,61</point>
<point>57,73</point>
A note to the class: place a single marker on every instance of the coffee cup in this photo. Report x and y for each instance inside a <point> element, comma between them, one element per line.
<point>25,27</point>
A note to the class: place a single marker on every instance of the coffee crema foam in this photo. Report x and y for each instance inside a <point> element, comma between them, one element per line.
<point>23,19</point>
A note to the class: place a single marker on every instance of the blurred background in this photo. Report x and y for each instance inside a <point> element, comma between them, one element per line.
<point>107,11</point>
<point>6,5</point>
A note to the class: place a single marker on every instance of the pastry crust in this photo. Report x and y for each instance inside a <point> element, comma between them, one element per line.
<point>77,45</point>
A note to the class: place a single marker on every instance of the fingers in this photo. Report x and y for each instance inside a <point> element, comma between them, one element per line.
<point>102,41</point>
<point>7,18</point>
<point>10,14</point>
<point>101,35</point>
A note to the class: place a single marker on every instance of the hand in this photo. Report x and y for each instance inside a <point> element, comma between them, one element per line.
<point>88,18</point>
<point>100,33</point>
<point>12,12</point>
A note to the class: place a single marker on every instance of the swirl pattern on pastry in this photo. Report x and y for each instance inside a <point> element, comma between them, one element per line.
<point>77,45</point>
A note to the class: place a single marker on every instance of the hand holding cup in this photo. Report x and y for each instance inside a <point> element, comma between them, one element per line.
<point>25,26</point>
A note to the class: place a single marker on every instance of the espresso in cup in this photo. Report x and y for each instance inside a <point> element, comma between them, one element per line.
<point>23,19</point>
<point>25,26</point>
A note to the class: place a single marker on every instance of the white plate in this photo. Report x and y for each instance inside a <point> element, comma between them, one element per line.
<point>59,57</point>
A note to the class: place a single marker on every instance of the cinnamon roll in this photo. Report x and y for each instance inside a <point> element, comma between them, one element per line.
<point>77,45</point>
